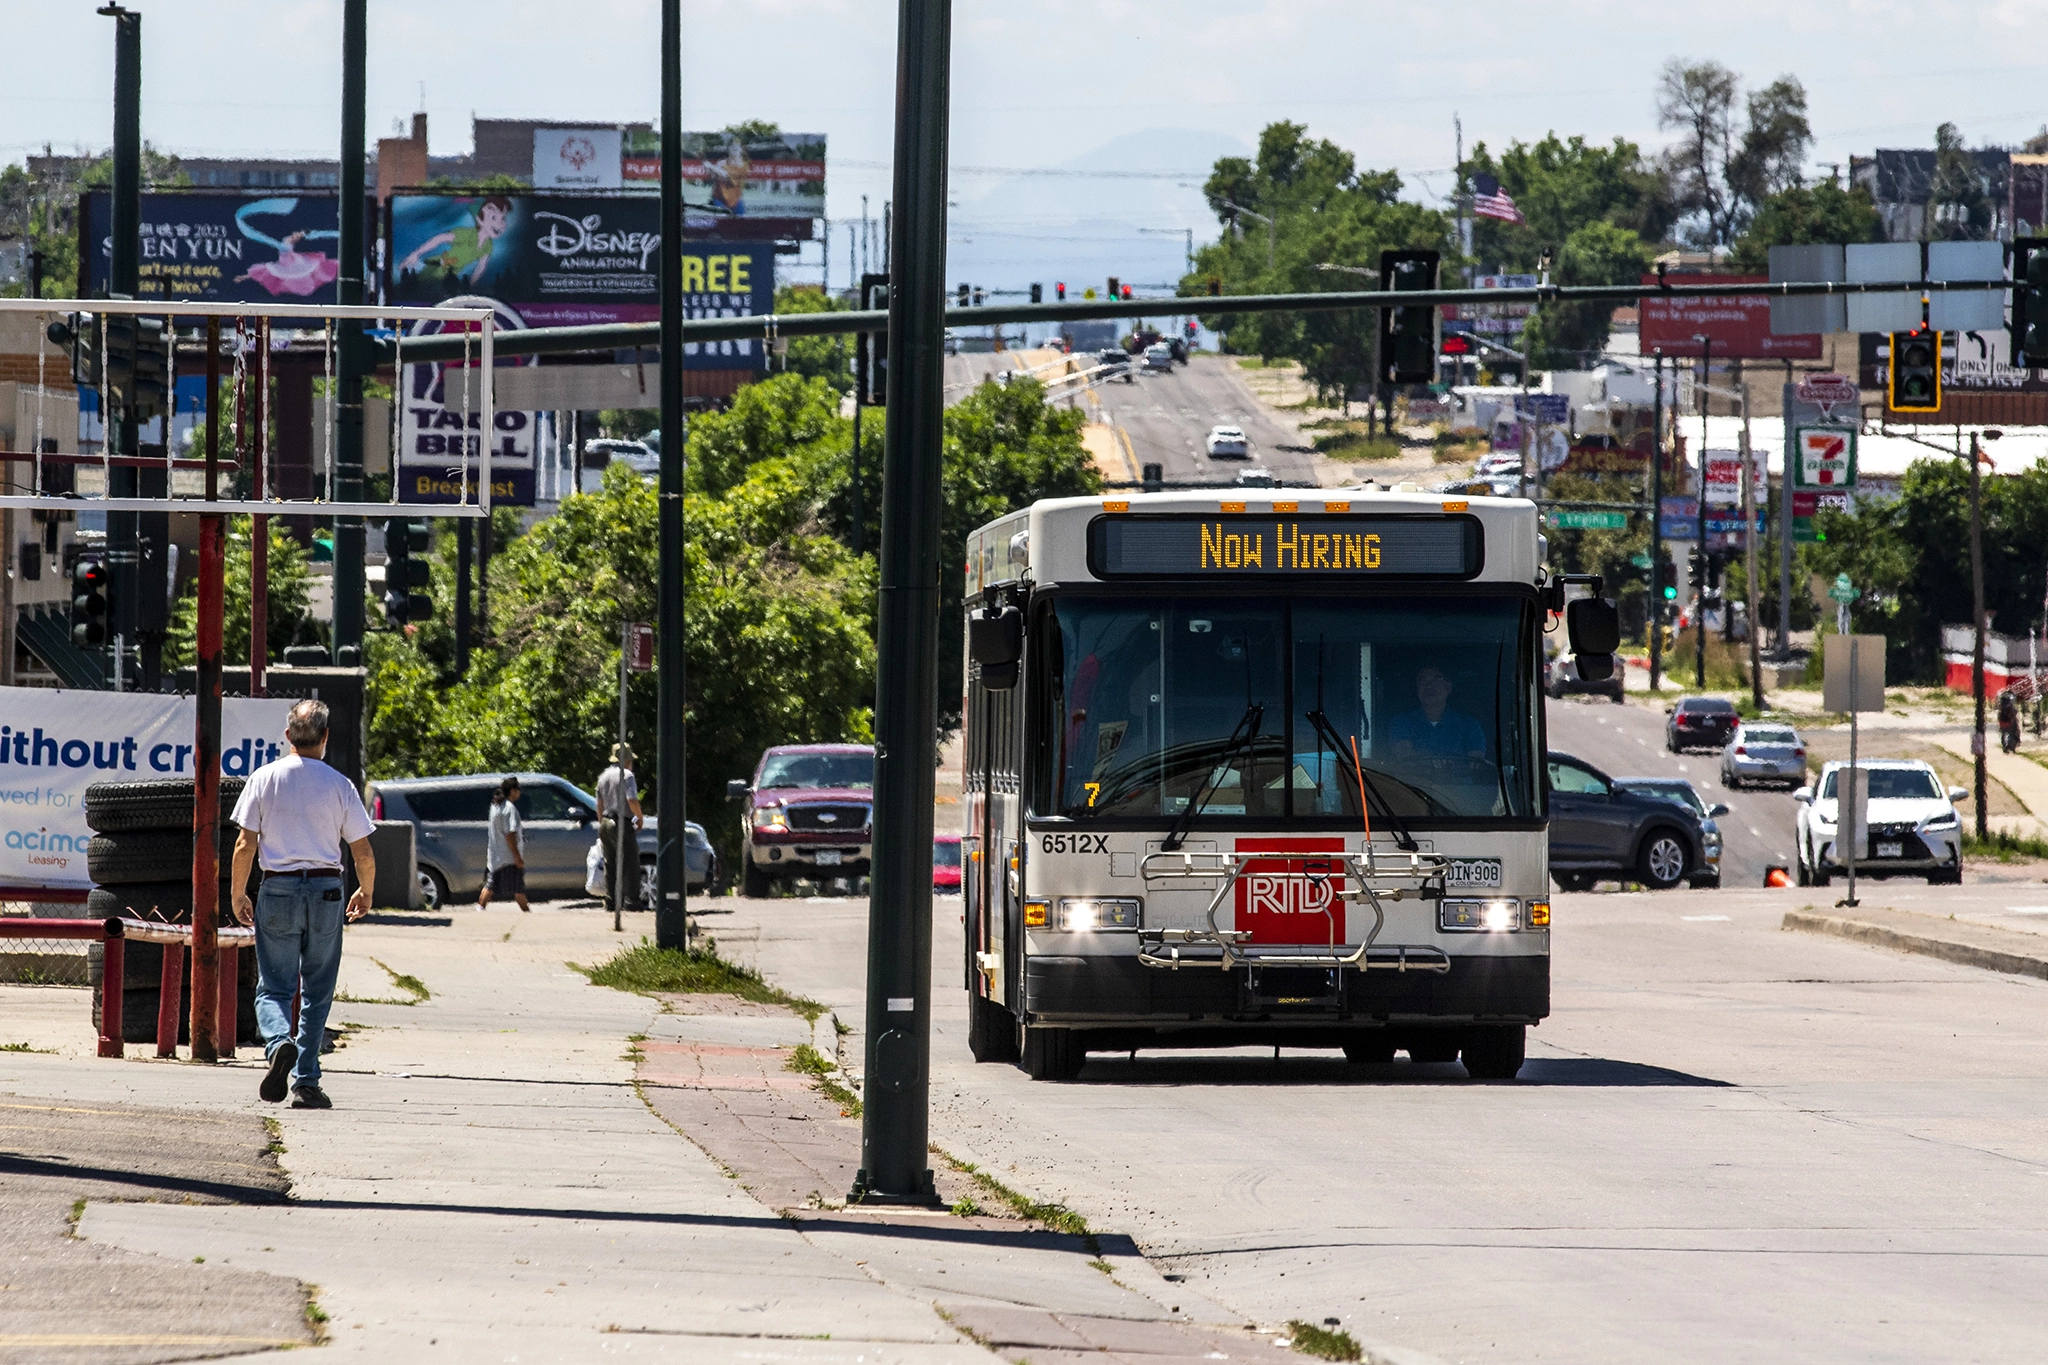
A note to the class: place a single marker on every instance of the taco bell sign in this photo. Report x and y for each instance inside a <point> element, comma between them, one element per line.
<point>576,158</point>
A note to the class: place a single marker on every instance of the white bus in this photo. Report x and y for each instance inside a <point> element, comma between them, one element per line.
<point>1260,766</point>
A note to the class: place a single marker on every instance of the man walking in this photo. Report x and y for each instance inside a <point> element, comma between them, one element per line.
<point>295,815</point>
<point>618,795</point>
<point>505,858</point>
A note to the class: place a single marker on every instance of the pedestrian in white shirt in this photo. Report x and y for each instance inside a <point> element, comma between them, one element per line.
<point>505,855</point>
<point>295,816</point>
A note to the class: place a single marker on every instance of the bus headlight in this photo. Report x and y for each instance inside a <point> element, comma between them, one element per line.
<point>1086,914</point>
<point>1484,917</point>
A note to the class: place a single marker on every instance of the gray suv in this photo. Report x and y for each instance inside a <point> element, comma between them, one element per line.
<point>451,823</point>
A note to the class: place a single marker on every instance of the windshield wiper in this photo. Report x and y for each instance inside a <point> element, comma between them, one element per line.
<point>1328,734</point>
<point>1246,731</point>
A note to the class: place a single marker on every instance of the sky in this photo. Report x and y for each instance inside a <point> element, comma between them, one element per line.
<point>1143,97</point>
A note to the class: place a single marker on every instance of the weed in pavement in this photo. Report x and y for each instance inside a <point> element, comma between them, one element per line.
<point>405,981</point>
<point>1324,1343</point>
<point>648,970</point>
<point>1055,1217</point>
<point>24,1047</point>
<point>2007,848</point>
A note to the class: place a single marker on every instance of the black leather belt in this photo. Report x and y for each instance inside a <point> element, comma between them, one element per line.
<point>306,872</point>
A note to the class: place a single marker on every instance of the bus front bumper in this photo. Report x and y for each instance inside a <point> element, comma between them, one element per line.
<point>1118,990</point>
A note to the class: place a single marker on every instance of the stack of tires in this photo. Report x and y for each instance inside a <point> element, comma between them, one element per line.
<point>140,861</point>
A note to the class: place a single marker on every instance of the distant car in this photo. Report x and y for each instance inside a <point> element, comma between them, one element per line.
<point>1256,478</point>
<point>1159,356</point>
<point>451,832</point>
<point>1600,829</point>
<point>1911,821</point>
<point>1495,465</point>
<point>1179,349</point>
<point>1226,442</point>
<point>1564,680</point>
<point>1699,723</point>
<point>1685,794</point>
<point>1763,751</point>
<point>808,813</point>
<point>946,863</point>
<point>598,455</point>
<point>1118,358</point>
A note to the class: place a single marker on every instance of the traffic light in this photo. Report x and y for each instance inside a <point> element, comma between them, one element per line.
<point>1695,565</point>
<point>1059,291</point>
<point>119,357</point>
<point>406,572</point>
<point>1127,292</point>
<point>1915,371</point>
<point>1456,344</point>
<point>2029,332</point>
<point>1037,293</point>
<point>1116,290</point>
<point>980,296</point>
<point>964,292</point>
<point>1713,573</point>
<point>1192,328</point>
<point>1408,335</point>
<point>89,582</point>
<point>150,369</point>
<point>1670,593</point>
<point>1215,287</point>
<point>79,334</point>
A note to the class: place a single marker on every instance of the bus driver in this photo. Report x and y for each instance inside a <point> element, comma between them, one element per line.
<point>1433,730</point>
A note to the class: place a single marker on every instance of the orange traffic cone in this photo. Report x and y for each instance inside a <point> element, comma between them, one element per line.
<point>1776,877</point>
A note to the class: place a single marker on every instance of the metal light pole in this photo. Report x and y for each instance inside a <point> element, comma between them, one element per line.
<point>1977,623</point>
<point>1657,530</point>
<point>118,434</point>
<point>895,1121</point>
<point>1749,537</point>
<point>209,1030</point>
<point>671,730</point>
<point>1699,624</point>
<point>349,584</point>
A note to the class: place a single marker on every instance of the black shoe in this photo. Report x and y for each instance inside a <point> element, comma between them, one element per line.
<point>310,1097</point>
<point>278,1078</point>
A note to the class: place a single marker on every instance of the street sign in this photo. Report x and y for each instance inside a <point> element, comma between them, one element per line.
<point>1587,521</point>
<point>1843,591</point>
<point>1807,505</point>
<point>1828,392</point>
<point>639,647</point>
<point>1826,457</point>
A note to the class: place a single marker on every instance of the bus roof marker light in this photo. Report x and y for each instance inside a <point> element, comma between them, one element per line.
<point>1336,507</point>
<point>1233,507</point>
<point>1457,507</point>
<point>1116,505</point>
<point>1286,507</point>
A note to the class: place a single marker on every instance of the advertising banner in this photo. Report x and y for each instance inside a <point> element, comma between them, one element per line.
<point>440,426</point>
<point>224,248</point>
<point>1679,519</point>
<point>1739,325</point>
<point>54,744</point>
<point>776,176</point>
<point>576,158</point>
<point>1724,477</point>
<point>563,260</point>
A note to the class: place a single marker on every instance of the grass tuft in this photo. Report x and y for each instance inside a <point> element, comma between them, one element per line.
<point>965,1207</point>
<point>648,970</point>
<point>1054,1217</point>
<point>1324,1343</point>
<point>2006,848</point>
<point>405,981</point>
<point>808,1061</point>
<point>24,1047</point>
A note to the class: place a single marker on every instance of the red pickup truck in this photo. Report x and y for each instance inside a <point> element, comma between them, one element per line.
<point>807,814</point>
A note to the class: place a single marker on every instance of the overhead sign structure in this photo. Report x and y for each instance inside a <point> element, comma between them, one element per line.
<point>1824,457</point>
<point>1738,327</point>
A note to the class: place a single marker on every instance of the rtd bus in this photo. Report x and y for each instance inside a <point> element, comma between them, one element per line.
<point>1260,766</point>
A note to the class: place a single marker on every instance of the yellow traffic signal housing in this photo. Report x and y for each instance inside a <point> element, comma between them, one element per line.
<point>1914,377</point>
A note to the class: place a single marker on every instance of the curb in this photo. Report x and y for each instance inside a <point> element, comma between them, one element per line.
<point>1989,958</point>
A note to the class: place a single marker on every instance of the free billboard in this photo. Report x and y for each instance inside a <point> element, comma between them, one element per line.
<point>221,248</point>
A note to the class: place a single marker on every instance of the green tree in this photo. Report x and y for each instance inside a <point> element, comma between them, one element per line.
<point>1959,205</point>
<point>829,358</point>
<point>1562,185</point>
<point>286,601</point>
<point>787,415</point>
<point>1568,336</point>
<point>1719,177</point>
<point>1806,214</point>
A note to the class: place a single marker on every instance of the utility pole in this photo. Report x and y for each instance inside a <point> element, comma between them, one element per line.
<point>1749,537</point>
<point>672,733</point>
<point>1785,529</point>
<point>1699,624</point>
<point>208,1029</point>
<point>1977,628</point>
<point>1657,529</point>
<point>349,583</point>
<point>895,1122</point>
<point>118,433</point>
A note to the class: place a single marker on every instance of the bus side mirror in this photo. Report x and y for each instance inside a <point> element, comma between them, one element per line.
<point>995,642</point>
<point>1593,626</point>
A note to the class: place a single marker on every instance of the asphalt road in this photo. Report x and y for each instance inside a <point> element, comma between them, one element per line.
<point>1167,416</point>
<point>1628,741</point>
<point>1731,1143</point>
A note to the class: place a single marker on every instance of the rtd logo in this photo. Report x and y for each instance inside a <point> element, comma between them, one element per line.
<point>1292,899</point>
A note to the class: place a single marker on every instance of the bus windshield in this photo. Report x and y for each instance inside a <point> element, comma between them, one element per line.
<point>1249,709</point>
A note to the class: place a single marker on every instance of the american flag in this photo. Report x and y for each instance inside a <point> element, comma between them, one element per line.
<point>1489,200</point>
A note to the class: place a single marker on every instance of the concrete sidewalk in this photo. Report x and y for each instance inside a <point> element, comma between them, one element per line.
<point>527,1167</point>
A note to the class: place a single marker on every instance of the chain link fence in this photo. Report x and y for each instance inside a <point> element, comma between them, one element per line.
<point>47,961</point>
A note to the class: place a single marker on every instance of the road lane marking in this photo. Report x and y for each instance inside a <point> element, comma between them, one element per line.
<point>2028,909</point>
<point>1706,919</point>
<point>1757,832</point>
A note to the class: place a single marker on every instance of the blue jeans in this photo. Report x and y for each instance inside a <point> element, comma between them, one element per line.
<point>298,948</point>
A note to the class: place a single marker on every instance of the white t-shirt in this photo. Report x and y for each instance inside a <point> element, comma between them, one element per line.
<point>303,812</point>
<point>504,820</point>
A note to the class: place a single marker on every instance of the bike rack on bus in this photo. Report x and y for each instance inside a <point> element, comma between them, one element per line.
<point>1416,876</point>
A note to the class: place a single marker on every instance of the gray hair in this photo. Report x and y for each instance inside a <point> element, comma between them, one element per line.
<point>306,726</point>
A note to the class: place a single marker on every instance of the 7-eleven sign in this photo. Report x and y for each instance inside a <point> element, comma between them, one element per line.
<point>1826,458</point>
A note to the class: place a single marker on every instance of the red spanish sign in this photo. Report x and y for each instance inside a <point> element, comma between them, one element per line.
<point>1739,325</point>
<point>1292,899</point>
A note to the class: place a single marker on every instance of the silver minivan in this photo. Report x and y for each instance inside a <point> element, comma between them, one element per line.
<point>451,823</point>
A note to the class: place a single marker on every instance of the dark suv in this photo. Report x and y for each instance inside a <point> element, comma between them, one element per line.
<point>1600,829</point>
<point>1699,723</point>
<point>808,814</point>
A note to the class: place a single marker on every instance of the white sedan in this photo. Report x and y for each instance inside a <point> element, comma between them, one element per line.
<point>1911,826</point>
<point>1228,441</point>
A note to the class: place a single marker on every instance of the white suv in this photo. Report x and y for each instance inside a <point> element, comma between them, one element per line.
<point>1911,821</point>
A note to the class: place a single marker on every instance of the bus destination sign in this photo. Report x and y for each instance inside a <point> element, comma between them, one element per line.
<point>1285,545</point>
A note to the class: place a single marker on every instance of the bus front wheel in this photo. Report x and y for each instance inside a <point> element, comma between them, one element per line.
<point>1051,1054</point>
<point>991,1030</point>
<point>1494,1052</point>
